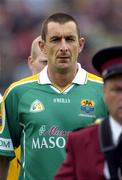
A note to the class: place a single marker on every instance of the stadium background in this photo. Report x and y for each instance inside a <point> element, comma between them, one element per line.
<point>20,22</point>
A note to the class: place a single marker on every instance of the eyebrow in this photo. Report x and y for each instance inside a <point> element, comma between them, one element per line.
<point>59,37</point>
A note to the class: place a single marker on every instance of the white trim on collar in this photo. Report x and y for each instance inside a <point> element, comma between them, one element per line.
<point>116,129</point>
<point>80,78</point>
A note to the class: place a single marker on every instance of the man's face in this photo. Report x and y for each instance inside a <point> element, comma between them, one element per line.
<point>113,96</point>
<point>62,46</point>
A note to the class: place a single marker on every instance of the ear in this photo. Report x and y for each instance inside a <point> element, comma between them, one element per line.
<point>81,44</point>
<point>42,46</point>
<point>30,61</point>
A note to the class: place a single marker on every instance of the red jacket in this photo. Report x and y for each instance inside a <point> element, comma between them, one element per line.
<point>84,160</point>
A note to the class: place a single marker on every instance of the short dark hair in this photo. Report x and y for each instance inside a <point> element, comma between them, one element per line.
<point>60,18</point>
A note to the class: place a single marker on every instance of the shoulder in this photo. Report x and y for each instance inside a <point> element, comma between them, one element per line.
<point>23,83</point>
<point>94,78</point>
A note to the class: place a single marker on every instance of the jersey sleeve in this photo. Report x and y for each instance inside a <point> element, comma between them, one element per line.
<point>9,130</point>
<point>6,145</point>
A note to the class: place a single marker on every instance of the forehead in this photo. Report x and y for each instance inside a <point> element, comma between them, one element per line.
<point>57,29</point>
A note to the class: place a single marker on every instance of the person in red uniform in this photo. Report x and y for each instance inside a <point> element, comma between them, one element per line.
<point>95,152</point>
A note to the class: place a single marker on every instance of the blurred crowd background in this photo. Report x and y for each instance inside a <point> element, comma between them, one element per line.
<point>20,22</point>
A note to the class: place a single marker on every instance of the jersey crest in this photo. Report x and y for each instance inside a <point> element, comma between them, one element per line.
<point>37,106</point>
<point>87,105</point>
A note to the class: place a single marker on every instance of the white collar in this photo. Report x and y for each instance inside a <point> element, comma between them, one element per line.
<point>80,78</point>
<point>116,129</point>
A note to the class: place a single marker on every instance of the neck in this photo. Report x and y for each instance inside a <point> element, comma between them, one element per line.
<point>62,79</point>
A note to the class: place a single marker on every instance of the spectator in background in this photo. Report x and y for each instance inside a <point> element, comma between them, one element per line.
<point>41,110</point>
<point>37,60</point>
<point>95,152</point>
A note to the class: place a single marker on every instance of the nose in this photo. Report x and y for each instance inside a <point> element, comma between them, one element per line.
<point>63,46</point>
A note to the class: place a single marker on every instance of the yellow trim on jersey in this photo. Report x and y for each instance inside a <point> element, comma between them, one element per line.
<point>62,89</point>
<point>2,115</point>
<point>20,82</point>
<point>93,77</point>
<point>14,169</point>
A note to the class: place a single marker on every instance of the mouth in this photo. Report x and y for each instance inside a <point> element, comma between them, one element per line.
<point>63,58</point>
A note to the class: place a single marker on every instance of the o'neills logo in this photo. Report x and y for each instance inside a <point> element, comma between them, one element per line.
<point>51,138</point>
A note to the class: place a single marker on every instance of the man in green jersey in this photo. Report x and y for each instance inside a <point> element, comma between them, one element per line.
<point>38,112</point>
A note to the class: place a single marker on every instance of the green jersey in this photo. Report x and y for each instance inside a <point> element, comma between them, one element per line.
<point>38,117</point>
